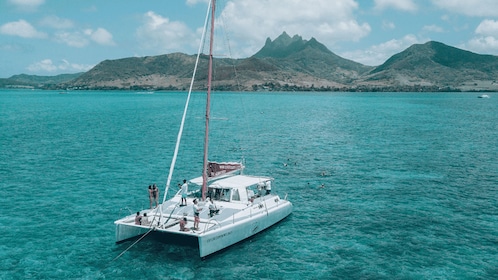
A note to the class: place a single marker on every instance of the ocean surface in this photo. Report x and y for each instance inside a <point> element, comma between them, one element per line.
<point>410,183</point>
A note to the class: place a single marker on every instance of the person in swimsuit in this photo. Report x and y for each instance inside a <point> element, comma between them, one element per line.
<point>151,196</point>
<point>155,194</point>
<point>145,220</point>
<point>138,219</point>
<point>183,223</point>
<point>197,211</point>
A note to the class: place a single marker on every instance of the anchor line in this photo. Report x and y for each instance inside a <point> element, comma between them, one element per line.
<point>138,240</point>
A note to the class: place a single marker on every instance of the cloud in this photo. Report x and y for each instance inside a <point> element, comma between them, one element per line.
<point>82,39</point>
<point>378,54</point>
<point>486,39</point>
<point>388,25</point>
<point>56,22</point>
<point>163,35</point>
<point>328,21</point>
<point>433,28</point>
<point>193,2</point>
<point>403,5</point>
<point>22,29</point>
<point>47,65</point>
<point>72,39</point>
<point>27,5</point>
<point>479,8</point>
<point>487,28</point>
<point>100,36</point>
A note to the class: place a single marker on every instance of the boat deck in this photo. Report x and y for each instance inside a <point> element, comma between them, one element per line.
<point>172,212</point>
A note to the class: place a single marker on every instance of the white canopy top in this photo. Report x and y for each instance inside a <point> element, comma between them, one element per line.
<point>237,181</point>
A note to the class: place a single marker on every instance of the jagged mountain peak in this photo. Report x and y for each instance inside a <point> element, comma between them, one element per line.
<point>284,46</point>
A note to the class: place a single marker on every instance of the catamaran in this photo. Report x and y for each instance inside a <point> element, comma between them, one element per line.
<point>230,206</point>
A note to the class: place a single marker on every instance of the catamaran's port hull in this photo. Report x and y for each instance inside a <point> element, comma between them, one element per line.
<point>126,232</point>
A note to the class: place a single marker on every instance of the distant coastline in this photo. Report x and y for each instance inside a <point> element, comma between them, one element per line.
<point>287,64</point>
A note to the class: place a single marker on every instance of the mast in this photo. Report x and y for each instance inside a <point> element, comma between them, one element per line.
<point>208,101</point>
<point>187,102</point>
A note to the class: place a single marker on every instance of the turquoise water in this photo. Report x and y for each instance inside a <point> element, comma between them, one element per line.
<point>410,183</point>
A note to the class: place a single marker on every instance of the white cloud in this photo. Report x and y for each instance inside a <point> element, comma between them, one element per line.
<point>193,2</point>
<point>469,7</point>
<point>47,65</point>
<point>486,44</point>
<point>100,36</point>
<point>28,5</point>
<point>378,54</point>
<point>22,29</point>
<point>162,35</point>
<point>328,21</point>
<point>56,22</point>
<point>403,5</point>
<point>72,39</point>
<point>487,28</point>
<point>82,39</point>
<point>486,40</point>
<point>388,25</point>
<point>433,28</point>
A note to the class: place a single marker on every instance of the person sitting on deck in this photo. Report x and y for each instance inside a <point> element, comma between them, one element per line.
<point>138,219</point>
<point>213,210</point>
<point>145,220</point>
<point>183,223</point>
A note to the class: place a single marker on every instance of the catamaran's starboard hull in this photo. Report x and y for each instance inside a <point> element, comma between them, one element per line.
<point>224,237</point>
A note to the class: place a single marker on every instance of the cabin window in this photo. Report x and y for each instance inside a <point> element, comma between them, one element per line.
<point>225,195</point>
<point>235,195</point>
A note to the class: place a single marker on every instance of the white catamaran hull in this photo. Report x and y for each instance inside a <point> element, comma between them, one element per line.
<point>214,234</point>
<point>219,239</point>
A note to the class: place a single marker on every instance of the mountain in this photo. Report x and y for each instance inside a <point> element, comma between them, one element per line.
<point>310,61</point>
<point>31,81</point>
<point>285,64</point>
<point>436,65</point>
<point>288,64</point>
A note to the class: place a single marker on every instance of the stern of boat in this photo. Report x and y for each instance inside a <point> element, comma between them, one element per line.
<point>126,230</point>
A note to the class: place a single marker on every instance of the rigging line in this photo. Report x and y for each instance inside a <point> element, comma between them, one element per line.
<point>138,240</point>
<point>225,35</point>
<point>230,54</point>
<point>177,146</point>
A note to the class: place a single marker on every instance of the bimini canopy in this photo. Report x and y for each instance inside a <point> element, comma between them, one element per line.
<point>238,182</point>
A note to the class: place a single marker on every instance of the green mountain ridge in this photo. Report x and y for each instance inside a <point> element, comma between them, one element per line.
<point>290,64</point>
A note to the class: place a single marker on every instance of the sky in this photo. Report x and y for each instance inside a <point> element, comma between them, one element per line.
<point>51,37</point>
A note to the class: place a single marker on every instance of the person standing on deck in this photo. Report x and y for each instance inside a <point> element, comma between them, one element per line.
<point>155,194</point>
<point>197,211</point>
<point>151,196</point>
<point>184,193</point>
<point>268,187</point>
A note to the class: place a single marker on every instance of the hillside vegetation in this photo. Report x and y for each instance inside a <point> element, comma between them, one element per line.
<point>288,64</point>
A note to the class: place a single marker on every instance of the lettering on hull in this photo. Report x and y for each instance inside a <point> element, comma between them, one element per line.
<point>218,237</point>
